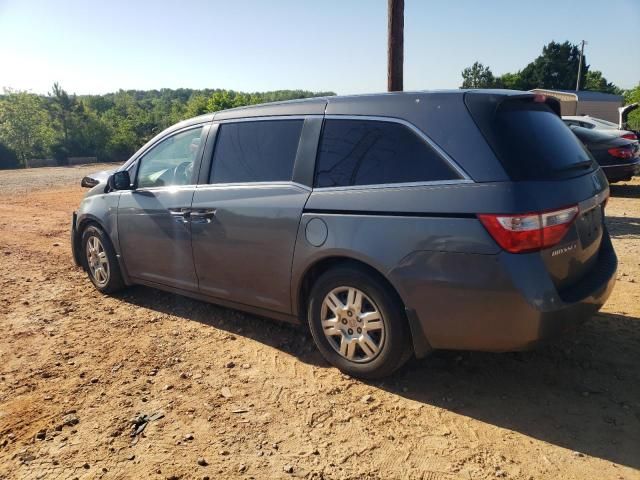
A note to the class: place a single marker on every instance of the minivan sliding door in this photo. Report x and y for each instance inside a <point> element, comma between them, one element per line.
<point>244,222</point>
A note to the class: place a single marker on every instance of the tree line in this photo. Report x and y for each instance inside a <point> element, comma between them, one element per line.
<point>110,127</point>
<point>555,68</point>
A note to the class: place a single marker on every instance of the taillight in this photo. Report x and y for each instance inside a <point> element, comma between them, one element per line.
<point>621,152</point>
<point>630,136</point>
<point>530,231</point>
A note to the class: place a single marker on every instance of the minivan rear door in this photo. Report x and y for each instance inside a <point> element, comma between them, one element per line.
<point>544,160</point>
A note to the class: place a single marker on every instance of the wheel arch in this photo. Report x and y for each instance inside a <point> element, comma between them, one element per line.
<point>78,229</point>
<point>322,265</point>
<point>85,222</point>
<point>419,342</point>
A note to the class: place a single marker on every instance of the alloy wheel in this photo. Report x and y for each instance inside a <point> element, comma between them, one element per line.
<point>353,324</point>
<point>97,261</point>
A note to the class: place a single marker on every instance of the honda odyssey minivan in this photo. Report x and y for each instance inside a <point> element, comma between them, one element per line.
<point>389,224</point>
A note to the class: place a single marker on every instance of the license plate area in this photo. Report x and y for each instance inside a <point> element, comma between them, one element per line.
<point>589,225</point>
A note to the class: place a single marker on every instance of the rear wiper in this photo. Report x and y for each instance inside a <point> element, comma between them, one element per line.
<point>577,166</point>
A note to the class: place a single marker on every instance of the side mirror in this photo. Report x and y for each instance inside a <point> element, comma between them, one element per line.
<point>88,182</point>
<point>120,181</point>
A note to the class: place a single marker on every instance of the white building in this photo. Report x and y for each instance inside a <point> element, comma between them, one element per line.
<point>583,102</point>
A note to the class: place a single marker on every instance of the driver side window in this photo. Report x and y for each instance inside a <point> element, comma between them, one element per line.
<point>171,161</point>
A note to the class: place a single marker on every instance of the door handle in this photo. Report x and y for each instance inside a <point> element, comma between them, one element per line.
<point>180,215</point>
<point>204,215</point>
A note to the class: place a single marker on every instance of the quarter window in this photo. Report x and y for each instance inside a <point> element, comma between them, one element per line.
<point>256,151</point>
<point>370,152</point>
<point>170,162</point>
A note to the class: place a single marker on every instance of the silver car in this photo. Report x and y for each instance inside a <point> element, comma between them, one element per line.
<point>605,126</point>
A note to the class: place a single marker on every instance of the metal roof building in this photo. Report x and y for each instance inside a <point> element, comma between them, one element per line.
<point>584,102</point>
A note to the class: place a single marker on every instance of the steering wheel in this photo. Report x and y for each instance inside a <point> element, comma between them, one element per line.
<point>182,173</point>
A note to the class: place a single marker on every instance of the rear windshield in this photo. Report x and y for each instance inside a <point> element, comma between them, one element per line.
<point>529,139</point>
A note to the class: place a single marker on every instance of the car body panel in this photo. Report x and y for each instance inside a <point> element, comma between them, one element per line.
<point>310,106</point>
<point>155,243</point>
<point>599,142</point>
<point>383,241</point>
<point>623,171</point>
<point>483,302</point>
<point>251,246</point>
<point>459,197</point>
<point>604,126</point>
<point>101,209</point>
<point>243,251</point>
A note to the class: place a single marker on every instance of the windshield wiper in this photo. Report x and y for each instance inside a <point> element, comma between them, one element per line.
<point>577,166</point>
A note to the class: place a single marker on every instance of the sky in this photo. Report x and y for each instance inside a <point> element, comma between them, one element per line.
<point>259,45</point>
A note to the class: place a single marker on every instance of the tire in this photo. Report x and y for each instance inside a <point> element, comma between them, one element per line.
<point>357,334</point>
<point>94,239</point>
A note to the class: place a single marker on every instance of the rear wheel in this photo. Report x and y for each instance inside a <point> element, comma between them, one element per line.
<point>358,324</point>
<point>100,260</point>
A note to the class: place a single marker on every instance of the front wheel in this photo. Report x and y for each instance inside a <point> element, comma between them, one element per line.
<point>358,324</point>
<point>100,260</point>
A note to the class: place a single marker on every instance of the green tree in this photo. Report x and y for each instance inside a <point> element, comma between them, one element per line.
<point>80,130</point>
<point>511,81</point>
<point>62,108</point>
<point>556,67</point>
<point>129,125</point>
<point>478,76</point>
<point>596,82</point>
<point>633,96</point>
<point>221,100</point>
<point>24,125</point>
<point>196,105</point>
<point>110,126</point>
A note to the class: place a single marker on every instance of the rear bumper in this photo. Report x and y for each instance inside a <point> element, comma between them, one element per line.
<point>498,302</point>
<point>617,173</point>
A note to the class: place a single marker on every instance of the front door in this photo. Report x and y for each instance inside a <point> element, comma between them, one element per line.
<point>153,219</point>
<point>245,220</point>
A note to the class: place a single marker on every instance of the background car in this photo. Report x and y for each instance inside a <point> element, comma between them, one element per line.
<point>591,123</point>
<point>618,157</point>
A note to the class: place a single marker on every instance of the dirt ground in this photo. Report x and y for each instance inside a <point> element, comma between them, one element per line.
<point>214,393</point>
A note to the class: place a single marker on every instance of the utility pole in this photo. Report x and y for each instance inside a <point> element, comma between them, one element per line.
<point>395,52</point>
<point>580,65</point>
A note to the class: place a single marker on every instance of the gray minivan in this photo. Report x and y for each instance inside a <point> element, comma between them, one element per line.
<point>390,224</point>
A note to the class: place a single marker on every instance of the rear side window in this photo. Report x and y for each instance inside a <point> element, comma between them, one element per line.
<point>529,139</point>
<point>370,152</point>
<point>255,151</point>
